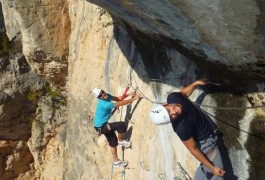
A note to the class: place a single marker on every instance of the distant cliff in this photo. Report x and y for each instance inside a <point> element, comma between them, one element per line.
<point>154,48</point>
<point>32,112</point>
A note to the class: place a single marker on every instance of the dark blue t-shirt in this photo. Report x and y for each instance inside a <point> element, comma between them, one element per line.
<point>192,122</point>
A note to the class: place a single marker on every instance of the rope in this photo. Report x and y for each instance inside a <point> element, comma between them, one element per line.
<point>123,173</point>
<point>140,92</point>
<point>232,108</point>
<point>112,170</point>
<point>214,107</point>
<point>252,134</point>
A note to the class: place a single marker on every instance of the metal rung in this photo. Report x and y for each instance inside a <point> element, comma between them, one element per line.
<point>122,172</point>
<point>177,178</point>
<point>184,173</point>
<point>162,176</point>
<point>144,166</point>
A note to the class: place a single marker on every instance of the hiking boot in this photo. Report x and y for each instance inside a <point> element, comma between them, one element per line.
<point>120,163</point>
<point>124,143</point>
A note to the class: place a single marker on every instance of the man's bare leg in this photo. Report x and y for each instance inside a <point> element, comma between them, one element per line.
<point>114,153</point>
<point>120,136</point>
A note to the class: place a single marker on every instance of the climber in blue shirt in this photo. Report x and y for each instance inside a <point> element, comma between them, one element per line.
<point>103,114</point>
<point>194,128</point>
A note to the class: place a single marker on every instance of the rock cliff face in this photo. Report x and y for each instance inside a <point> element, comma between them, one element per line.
<point>15,126</point>
<point>45,29</point>
<point>219,34</point>
<point>155,48</point>
<point>31,114</point>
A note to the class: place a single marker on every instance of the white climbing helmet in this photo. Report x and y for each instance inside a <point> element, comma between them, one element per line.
<point>96,92</point>
<point>159,115</point>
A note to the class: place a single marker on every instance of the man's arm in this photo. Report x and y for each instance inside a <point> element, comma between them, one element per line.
<point>187,91</point>
<point>115,98</point>
<point>191,145</point>
<point>125,102</point>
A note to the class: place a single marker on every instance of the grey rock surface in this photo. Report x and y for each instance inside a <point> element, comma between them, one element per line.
<point>220,37</point>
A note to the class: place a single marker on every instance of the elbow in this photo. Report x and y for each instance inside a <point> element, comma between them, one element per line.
<point>184,94</point>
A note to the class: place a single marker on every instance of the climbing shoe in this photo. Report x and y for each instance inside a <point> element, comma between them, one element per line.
<point>120,163</point>
<point>124,143</point>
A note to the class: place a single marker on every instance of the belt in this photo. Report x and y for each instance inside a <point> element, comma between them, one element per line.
<point>211,154</point>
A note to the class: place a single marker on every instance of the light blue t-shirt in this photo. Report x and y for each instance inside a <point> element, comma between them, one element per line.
<point>103,111</point>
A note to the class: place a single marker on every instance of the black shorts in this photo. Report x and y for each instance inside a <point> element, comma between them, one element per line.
<point>108,129</point>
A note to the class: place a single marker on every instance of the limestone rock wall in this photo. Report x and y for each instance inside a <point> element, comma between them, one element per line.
<point>155,48</point>
<point>16,79</point>
<point>32,118</point>
<point>45,29</point>
<point>108,52</point>
<point>32,112</point>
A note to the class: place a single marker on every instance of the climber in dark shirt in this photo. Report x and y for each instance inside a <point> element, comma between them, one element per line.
<point>195,130</point>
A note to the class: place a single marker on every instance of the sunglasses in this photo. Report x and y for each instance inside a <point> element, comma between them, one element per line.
<point>102,93</point>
